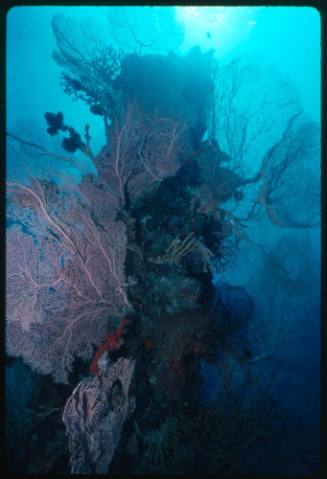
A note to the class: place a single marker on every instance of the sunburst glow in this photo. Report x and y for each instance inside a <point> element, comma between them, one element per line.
<point>220,28</point>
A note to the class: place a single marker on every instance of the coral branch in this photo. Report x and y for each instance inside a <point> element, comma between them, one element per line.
<point>112,343</point>
<point>176,250</point>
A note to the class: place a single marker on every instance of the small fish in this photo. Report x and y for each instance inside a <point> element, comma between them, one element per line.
<point>209,35</point>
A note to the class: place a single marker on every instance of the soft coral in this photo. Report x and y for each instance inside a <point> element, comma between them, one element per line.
<point>112,342</point>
